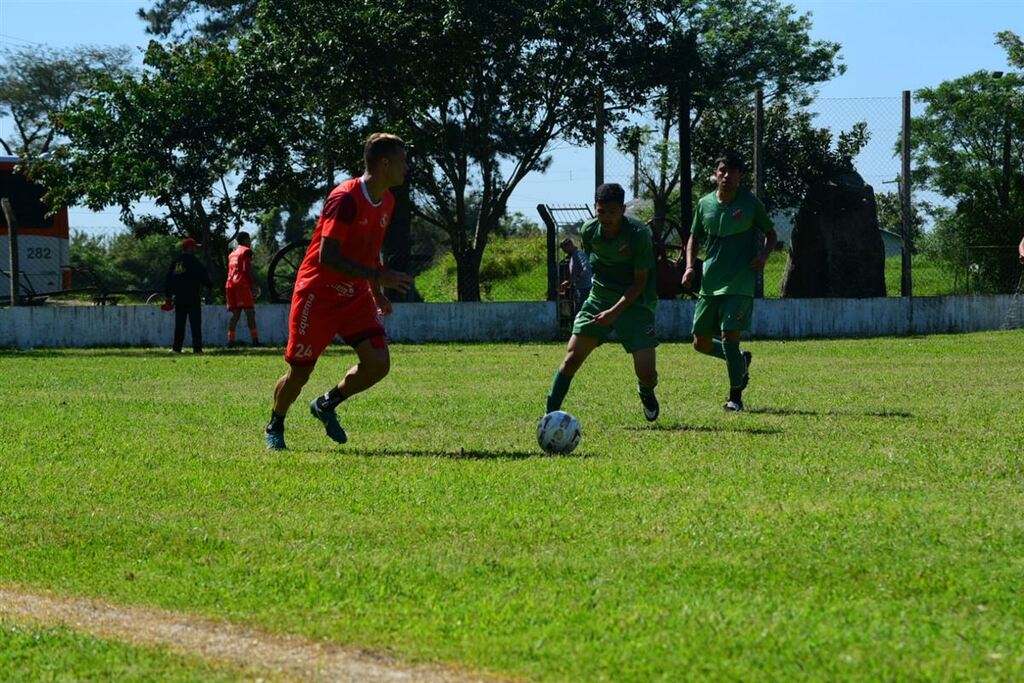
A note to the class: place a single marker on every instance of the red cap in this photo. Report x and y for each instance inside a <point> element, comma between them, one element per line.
<point>189,242</point>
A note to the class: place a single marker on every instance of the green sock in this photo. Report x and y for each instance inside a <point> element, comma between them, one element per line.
<point>717,349</point>
<point>559,388</point>
<point>734,360</point>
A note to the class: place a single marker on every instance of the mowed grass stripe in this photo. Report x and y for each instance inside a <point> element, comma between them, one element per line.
<point>862,521</point>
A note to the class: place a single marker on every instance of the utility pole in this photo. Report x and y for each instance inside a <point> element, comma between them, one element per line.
<point>12,239</point>
<point>906,288</point>
<point>759,174</point>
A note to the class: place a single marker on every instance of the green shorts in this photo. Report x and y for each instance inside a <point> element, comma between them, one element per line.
<point>723,313</point>
<point>634,328</point>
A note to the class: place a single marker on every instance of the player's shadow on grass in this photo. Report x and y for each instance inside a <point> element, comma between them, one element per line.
<point>835,413</point>
<point>682,427</point>
<point>452,454</point>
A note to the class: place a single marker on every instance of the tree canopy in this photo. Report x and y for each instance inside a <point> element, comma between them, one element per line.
<point>212,19</point>
<point>252,106</point>
<point>168,135</point>
<point>37,84</point>
<point>714,53</point>
<point>969,147</point>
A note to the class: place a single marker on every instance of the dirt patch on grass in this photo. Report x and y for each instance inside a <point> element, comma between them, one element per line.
<point>256,652</point>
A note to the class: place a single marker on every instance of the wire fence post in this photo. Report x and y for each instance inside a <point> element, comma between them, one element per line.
<point>552,253</point>
<point>759,174</point>
<point>906,285</point>
<point>12,240</point>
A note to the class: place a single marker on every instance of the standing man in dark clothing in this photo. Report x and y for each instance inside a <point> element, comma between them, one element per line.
<point>186,279</point>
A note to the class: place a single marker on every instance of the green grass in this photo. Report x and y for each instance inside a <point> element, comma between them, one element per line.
<point>60,654</point>
<point>864,521</point>
<point>930,277</point>
<point>515,270</point>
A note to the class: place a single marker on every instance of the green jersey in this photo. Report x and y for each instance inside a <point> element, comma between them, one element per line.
<point>613,261</point>
<point>729,234</point>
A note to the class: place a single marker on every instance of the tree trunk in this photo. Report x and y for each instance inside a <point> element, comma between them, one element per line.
<point>397,249</point>
<point>468,273</point>
<point>660,209</point>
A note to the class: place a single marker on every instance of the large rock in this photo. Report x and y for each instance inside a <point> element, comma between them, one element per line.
<point>836,248</point>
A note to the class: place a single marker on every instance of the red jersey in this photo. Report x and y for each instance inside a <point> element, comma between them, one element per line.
<point>351,218</point>
<point>240,268</point>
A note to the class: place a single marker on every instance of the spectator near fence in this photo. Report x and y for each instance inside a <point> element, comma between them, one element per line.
<point>239,291</point>
<point>1020,251</point>
<point>186,279</point>
<point>580,275</point>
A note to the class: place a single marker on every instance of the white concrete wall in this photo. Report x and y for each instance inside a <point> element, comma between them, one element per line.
<point>802,318</point>
<point>85,326</point>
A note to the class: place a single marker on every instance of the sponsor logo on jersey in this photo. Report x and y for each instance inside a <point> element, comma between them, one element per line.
<point>737,214</point>
<point>304,318</point>
<point>344,289</point>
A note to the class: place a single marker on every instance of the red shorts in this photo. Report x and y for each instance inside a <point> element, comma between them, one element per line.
<point>319,314</point>
<point>239,297</point>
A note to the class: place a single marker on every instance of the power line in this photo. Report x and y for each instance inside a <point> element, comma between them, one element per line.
<point>8,37</point>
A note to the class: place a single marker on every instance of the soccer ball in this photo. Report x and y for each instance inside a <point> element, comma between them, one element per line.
<point>558,432</point>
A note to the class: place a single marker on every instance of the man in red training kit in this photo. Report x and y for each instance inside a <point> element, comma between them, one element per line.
<point>238,290</point>
<point>339,290</point>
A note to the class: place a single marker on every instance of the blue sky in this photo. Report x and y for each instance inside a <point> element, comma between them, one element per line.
<point>888,46</point>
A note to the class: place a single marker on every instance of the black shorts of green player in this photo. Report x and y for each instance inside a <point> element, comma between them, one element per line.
<point>727,222</point>
<point>622,299</point>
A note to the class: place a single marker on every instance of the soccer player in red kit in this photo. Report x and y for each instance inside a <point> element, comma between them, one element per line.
<point>339,290</point>
<point>238,290</point>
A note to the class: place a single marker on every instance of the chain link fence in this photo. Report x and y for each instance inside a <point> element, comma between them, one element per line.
<point>879,163</point>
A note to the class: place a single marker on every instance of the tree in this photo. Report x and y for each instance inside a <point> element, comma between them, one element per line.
<point>122,262</point>
<point>167,135</point>
<point>480,90</point>
<point>798,154</point>
<point>968,146</point>
<point>37,84</point>
<point>890,217</point>
<point>656,164</point>
<point>700,56</point>
<point>1014,47</point>
<point>216,19</point>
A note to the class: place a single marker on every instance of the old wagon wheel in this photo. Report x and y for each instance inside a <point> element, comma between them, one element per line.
<point>284,266</point>
<point>669,240</point>
<point>670,256</point>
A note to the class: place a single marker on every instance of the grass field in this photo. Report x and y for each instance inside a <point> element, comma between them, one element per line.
<point>59,654</point>
<point>863,521</point>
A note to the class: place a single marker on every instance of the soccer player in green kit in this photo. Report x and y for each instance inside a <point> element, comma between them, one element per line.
<point>728,220</point>
<point>622,298</point>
